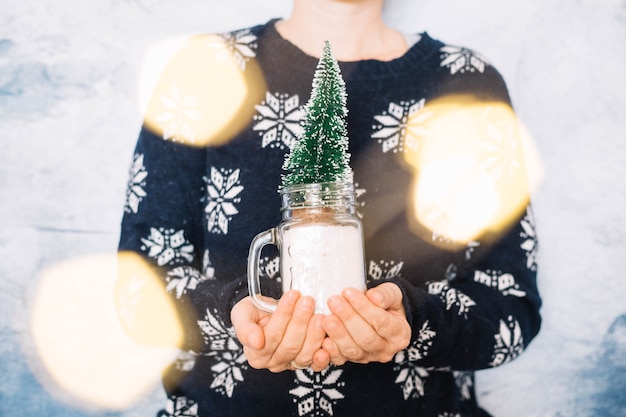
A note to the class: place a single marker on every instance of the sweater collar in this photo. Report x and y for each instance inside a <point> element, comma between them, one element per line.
<point>369,69</point>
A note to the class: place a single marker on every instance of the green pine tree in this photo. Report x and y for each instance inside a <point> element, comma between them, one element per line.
<point>321,152</point>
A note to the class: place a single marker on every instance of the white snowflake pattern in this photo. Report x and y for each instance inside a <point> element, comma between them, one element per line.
<point>228,372</point>
<point>360,202</point>
<point>217,335</point>
<point>239,45</point>
<point>442,231</point>
<point>179,407</point>
<point>278,120</point>
<point>500,149</point>
<point>509,342</point>
<point>460,60</point>
<point>185,361</point>
<point>451,272</point>
<point>503,282</point>
<point>129,299</point>
<point>445,235</point>
<point>410,376</point>
<point>317,392</point>
<point>207,269</point>
<point>168,246</point>
<point>226,350</point>
<point>383,270</point>
<point>449,415</point>
<point>182,112</point>
<point>270,268</point>
<point>529,235</point>
<point>470,248</point>
<point>421,346</point>
<point>182,279</point>
<point>451,296</point>
<point>135,192</point>
<point>223,190</point>
<point>400,127</point>
<point>465,383</point>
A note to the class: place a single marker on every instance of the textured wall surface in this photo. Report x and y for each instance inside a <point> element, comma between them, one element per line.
<point>69,116</point>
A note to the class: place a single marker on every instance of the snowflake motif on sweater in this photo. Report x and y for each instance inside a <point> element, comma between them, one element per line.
<point>503,282</point>
<point>182,111</point>
<point>360,201</point>
<point>460,60</point>
<point>226,350</point>
<point>451,297</point>
<point>240,45</point>
<point>129,299</point>
<point>383,270</point>
<point>278,120</point>
<point>183,279</point>
<point>465,382</point>
<point>270,268</point>
<point>509,342</point>
<point>400,127</point>
<point>179,407</point>
<point>500,149</point>
<point>411,377</point>
<point>207,269</point>
<point>222,193</point>
<point>168,246</point>
<point>316,392</point>
<point>135,192</point>
<point>186,360</point>
<point>529,245</point>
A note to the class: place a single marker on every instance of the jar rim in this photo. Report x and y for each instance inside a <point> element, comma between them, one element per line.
<point>323,194</point>
<point>321,186</point>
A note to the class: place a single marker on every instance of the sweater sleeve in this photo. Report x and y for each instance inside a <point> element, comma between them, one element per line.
<point>484,310</point>
<point>202,98</point>
<point>479,316</point>
<point>161,228</point>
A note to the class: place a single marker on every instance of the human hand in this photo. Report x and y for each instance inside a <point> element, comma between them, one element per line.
<point>363,328</point>
<point>273,340</point>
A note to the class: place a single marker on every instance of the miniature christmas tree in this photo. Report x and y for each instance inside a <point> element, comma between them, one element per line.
<point>321,152</point>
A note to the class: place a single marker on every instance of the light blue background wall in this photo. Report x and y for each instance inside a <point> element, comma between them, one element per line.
<point>69,75</point>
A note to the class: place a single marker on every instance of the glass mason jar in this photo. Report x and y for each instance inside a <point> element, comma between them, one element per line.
<point>320,243</point>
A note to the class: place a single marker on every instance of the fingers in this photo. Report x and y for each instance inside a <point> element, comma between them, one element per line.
<point>348,332</point>
<point>288,332</point>
<point>292,332</point>
<point>362,328</point>
<point>386,296</point>
<point>321,358</point>
<point>279,321</point>
<point>366,327</point>
<point>308,354</point>
<point>335,354</point>
<point>247,320</point>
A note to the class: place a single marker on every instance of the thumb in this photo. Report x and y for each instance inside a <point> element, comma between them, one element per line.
<point>386,296</point>
<point>245,318</point>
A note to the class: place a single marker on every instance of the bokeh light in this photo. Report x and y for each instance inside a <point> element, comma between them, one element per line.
<point>474,170</point>
<point>201,91</point>
<point>85,356</point>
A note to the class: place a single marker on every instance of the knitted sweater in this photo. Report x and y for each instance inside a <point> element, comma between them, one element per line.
<point>199,193</point>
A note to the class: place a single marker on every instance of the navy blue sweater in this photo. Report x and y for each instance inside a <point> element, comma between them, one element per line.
<point>199,192</point>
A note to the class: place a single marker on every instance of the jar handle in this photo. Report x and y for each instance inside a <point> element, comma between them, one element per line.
<point>265,238</point>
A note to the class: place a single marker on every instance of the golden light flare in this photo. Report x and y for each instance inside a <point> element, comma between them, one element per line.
<point>474,170</point>
<point>205,92</point>
<point>85,356</point>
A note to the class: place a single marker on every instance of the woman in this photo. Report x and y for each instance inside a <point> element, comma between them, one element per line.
<point>437,308</point>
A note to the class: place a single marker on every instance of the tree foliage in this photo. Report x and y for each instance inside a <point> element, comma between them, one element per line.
<point>321,153</point>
